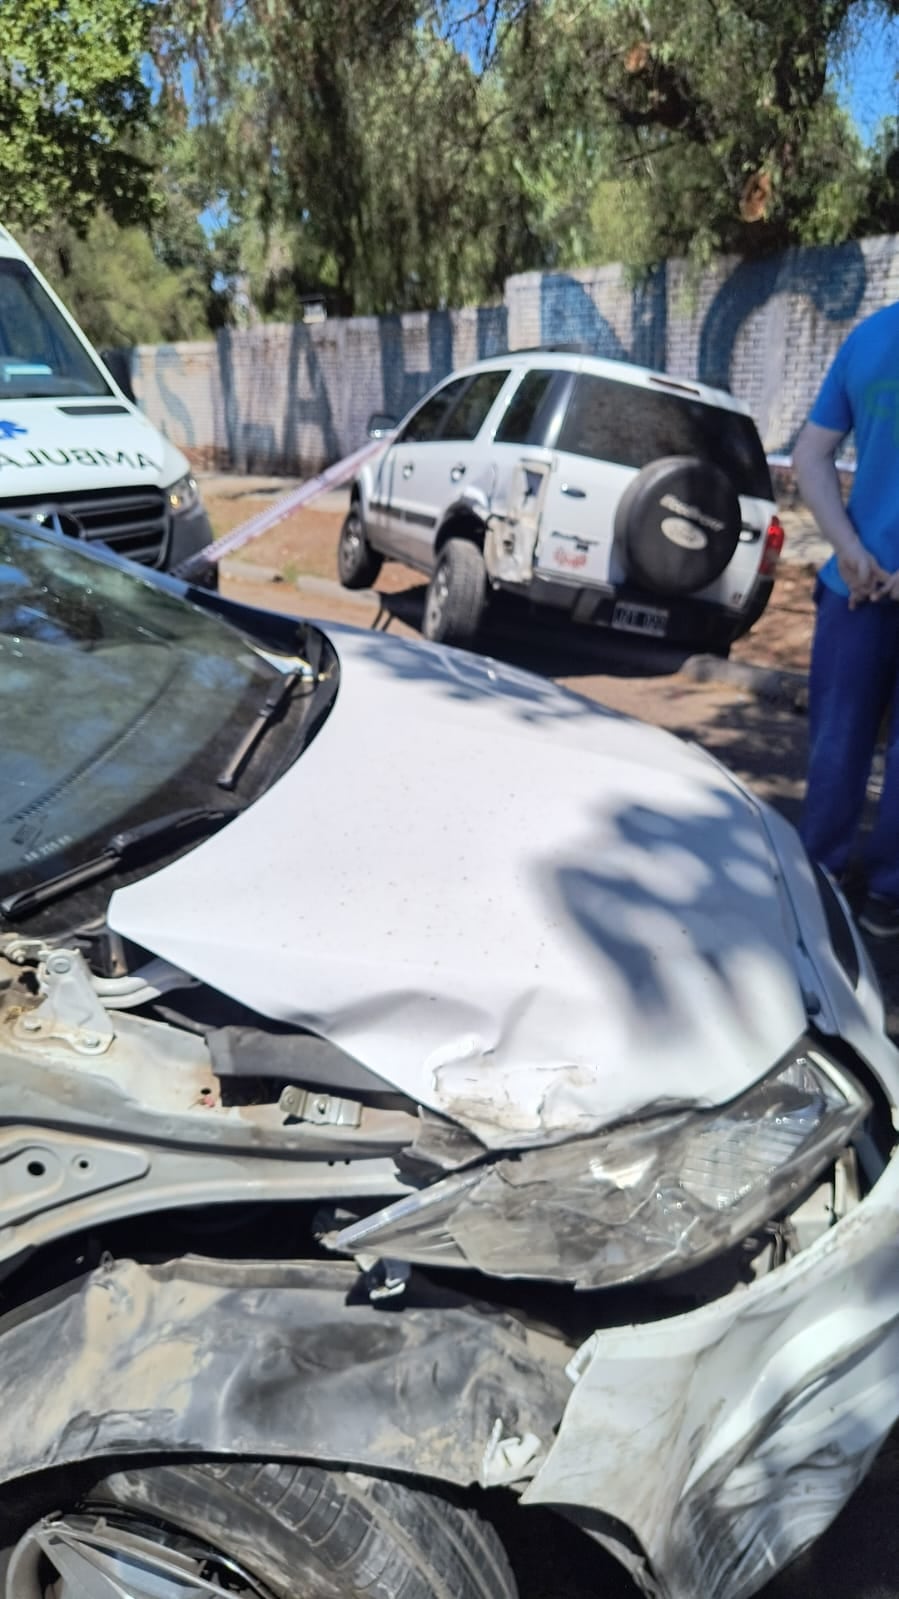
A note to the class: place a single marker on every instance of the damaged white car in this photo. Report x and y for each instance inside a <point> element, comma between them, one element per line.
<point>419,1088</point>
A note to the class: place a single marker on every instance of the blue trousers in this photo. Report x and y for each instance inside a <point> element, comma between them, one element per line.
<point>854,677</point>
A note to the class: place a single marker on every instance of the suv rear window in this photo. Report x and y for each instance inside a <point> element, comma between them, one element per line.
<point>632,425</point>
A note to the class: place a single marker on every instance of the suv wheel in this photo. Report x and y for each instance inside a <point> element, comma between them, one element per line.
<point>457,594</point>
<point>358,564</point>
<point>678,524</point>
<point>250,1531</point>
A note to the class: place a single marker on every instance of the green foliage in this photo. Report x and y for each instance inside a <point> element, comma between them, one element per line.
<point>717,121</point>
<point>401,154</point>
<point>362,147</point>
<point>71,96</point>
<point>882,173</point>
<point>117,287</point>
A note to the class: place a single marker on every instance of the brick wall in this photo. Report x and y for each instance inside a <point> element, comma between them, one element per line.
<point>290,398</point>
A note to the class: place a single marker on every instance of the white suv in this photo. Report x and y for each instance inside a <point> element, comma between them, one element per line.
<point>621,496</point>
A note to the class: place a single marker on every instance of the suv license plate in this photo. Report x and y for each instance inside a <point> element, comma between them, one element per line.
<point>641,619</point>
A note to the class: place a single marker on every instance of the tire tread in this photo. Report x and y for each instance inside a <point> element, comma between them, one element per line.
<point>374,1537</point>
<point>467,596</point>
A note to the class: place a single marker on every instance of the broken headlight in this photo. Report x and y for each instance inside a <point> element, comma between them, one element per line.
<point>646,1199</point>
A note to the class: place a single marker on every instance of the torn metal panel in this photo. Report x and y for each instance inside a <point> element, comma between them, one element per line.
<point>727,1440</point>
<point>156,1082</point>
<point>512,537</point>
<point>53,1183</point>
<point>286,1361</point>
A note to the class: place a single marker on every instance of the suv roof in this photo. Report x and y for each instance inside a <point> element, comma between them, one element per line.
<point>564,358</point>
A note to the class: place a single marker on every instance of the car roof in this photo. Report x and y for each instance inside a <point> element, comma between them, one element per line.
<point>562,358</point>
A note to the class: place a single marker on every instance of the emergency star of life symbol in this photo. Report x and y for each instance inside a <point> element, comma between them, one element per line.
<point>11,430</point>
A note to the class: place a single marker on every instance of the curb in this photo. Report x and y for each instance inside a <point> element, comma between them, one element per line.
<point>773,684</point>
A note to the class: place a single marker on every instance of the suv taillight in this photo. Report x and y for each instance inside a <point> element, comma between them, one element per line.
<point>774,543</point>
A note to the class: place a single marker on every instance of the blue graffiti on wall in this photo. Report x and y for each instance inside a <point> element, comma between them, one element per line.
<point>401,388</point>
<point>168,361</point>
<point>568,314</point>
<point>314,409</point>
<point>492,331</point>
<point>832,277</point>
<point>254,445</point>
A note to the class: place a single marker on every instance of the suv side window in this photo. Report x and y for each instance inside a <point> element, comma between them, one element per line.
<point>518,426</point>
<point>424,424</point>
<point>631,425</point>
<point>470,411</point>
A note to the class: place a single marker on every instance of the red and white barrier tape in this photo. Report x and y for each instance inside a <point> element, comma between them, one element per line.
<point>331,478</point>
<point>280,508</point>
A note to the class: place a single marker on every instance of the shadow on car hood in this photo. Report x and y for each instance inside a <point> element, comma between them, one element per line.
<point>528,913</point>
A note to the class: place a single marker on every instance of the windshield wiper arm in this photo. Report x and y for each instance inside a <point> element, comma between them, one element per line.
<point>129,845</point>
<point>274,703</point>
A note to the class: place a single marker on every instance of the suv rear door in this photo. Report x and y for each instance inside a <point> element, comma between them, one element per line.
<point>434,457</point>
<point>612,429</point>
<point>578,524</point>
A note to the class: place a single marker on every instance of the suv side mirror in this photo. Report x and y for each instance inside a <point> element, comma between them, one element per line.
<point>380,425</point>
<point>118,365</point>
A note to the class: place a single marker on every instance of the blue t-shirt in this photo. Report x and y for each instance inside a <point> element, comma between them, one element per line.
<point>861,393</point>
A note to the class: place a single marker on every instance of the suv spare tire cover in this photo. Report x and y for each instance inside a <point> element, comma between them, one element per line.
<point>678,524</point>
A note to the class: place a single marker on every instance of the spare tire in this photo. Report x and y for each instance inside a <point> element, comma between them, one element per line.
<point>678,524</point>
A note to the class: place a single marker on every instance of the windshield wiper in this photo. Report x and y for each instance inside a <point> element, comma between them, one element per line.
<point>123,849</point>
<point>274,703</point>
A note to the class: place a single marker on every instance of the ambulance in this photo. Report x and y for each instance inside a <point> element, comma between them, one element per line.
<point>76,452</point>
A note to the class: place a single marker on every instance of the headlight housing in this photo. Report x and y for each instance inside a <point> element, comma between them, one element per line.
<point>647,1199</point>
<point>183,496</point>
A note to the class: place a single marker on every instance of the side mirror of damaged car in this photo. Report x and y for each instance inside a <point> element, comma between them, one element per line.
<point>379,425</point>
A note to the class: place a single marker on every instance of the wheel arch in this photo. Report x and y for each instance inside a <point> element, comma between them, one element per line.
<point>461,521</point>
<point>272,1361</point>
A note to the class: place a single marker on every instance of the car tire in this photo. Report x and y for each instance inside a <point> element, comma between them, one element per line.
<point>358,564</point>
<point>277,1530</point>
<point>678,525</point>
<point>457,594</point>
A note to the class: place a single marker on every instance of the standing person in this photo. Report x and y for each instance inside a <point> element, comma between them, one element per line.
<point>855,658</point>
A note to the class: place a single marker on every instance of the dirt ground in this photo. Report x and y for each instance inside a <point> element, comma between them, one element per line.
<point>293,569</point>
<point>305,544</point>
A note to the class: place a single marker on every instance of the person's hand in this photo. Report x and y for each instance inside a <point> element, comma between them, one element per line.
<point>862,575</point>
<point>887,587</point>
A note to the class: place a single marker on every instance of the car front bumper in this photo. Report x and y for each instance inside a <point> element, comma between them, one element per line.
<point>725,1440</point>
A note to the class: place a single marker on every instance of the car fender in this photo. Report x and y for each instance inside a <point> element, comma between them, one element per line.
<point>466,517</point>
<point>286,1360</point>
<point>366,485</point>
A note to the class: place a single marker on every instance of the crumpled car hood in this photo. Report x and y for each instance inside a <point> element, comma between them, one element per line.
<point>526,912</point>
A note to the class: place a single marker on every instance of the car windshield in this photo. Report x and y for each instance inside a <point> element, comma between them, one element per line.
<point>121,703</point>
<point>40,355</point>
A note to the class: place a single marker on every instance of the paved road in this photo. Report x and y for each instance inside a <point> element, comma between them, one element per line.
<point>859,1557</point>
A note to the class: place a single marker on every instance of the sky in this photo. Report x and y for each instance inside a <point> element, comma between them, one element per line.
<point>867,82</point>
